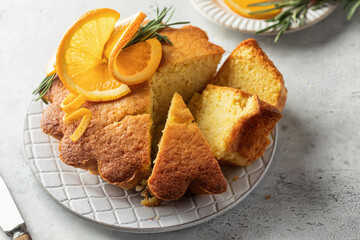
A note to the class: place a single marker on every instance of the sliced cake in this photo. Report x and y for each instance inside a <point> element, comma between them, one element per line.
<point>186,67</point>
<point>117,143</point>
<point>184,160</point>
<point>249,69</point>
<point>235,123</point>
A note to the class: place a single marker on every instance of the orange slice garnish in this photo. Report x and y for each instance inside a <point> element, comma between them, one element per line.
<point>136,63</point>
<point>79,60</point>
<point>122,33</point>
<point>51,66</point>
<point>241,8</point>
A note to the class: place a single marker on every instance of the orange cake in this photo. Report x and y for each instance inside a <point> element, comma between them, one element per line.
<point>248,68</point>
<point>117,142</point>
<point>184,159</point>
<point>235,123</point>
<point>116,87</point>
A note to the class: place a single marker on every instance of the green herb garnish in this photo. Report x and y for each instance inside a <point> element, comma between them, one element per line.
<point>295,12</point>
<point>149,29</point>
<point>44,87</point>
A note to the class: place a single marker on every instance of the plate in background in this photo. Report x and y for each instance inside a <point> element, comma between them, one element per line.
<point>218,12</point>
<point>89,197</point>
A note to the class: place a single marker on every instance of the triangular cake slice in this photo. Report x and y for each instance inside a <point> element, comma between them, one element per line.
<point>249,69</point>
<point>184,160</point>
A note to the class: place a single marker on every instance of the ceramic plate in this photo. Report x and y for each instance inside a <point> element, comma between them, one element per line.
<point>90,197</point>
<point>218,12</point>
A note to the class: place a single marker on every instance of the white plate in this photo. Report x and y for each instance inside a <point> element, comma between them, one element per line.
<point>218,12</point>
<point>90,197</point>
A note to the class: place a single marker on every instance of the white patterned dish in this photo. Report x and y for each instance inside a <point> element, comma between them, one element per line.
<point>218,12</point>
<point>92,198</point>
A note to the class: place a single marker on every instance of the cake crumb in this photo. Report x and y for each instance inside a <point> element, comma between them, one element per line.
<point>235,178</point>
<point>149,200</point>
<point>141,186</point>
<point>150,218</point>
<point>267,197</point>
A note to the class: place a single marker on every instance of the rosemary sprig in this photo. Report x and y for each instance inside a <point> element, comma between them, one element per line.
<point>294,11</point>
<point>44,87</point>
<point>149,29</point>
<point>350,7</point>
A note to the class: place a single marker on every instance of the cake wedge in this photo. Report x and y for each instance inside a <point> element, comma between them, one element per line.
<point>184,160</point>
<point>249,69</point>
<point>235,123</point>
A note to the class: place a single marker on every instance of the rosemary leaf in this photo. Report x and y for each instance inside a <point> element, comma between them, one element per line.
<point>262,4</point>
<point>44,87</point>
<point>268,28</point>
<point>353,8</point>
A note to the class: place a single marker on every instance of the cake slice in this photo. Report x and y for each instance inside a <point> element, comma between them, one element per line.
<point>184,160</point>
<point>235,123</point>
<point>249,69</point>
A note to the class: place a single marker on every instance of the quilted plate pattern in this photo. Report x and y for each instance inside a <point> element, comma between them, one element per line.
<point>94,199</point>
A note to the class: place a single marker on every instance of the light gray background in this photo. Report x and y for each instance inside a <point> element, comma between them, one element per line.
<point>314,180</point>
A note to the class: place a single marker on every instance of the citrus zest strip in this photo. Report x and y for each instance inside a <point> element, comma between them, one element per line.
<point>71,105</point>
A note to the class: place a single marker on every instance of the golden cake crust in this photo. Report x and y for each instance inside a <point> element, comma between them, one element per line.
<point>257,53</point>
<point>124,152</point>
<point>184,158</point>
<point>117,142</point>
<point>188,42</point>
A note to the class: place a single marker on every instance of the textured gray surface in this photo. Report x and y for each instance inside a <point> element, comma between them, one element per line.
<point>314,179</point>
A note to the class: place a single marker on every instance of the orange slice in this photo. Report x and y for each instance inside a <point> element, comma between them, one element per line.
<point>123,32</point>
<point>79,60</point>
<point>51,66</point>
<point>136,63</point>
<point>241,7</point>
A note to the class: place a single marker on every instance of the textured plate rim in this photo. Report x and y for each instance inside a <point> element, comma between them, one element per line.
<point>291,30</point>
<point>159,229</point>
